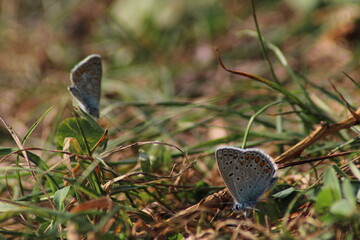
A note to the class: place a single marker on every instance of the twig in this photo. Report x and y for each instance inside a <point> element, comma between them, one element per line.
<point>321,132</point>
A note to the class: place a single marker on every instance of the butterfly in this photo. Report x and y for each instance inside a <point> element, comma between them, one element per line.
<point>247,173</point>
<point>86,84</point>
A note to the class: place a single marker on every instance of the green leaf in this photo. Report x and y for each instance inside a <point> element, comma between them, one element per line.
<point>60,196</point>
<point>160,157</point>
<point>268,211</point>
<point>8,206</point>
<point>12,207</point>
<point>331,181</point>
<point>37,161</point>
<point>354,170</point>
<point>70,128</point>
<point>340,172</point>
<point>348,192</point>
<point>324,200</point>
<point>144,161</point>
<point>7,150</point>
<point>43,166</point>
<point>175,236</point>
<point>343,208</point>
<point>35,125</point>
<point>329,193</point>
<point>284,193</point>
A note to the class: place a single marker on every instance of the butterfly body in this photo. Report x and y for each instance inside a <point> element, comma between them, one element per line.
<point>86,84</point>
<point>247,173</point>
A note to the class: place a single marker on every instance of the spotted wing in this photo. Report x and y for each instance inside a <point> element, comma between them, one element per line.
<point>259,170</point>
<point>247,173</point>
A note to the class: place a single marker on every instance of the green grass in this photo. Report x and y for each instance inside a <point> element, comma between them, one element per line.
<point>167,105</point>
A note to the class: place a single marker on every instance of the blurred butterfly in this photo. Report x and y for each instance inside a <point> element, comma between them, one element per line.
<point>86,84</point>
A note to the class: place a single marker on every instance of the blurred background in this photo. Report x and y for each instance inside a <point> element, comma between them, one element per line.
<point>158,51</point>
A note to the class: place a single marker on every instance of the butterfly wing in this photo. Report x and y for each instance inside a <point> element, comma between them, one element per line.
<point>260,171</point>
<point>86,84</point>
<point>247,173</point>
<point>231,172</point>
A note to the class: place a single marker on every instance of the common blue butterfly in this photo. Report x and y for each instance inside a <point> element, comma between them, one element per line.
<point>247,173</point>
<point>86,84</point>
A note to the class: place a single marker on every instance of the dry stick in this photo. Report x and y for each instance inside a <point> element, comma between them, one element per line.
<point>315,159</point>
<point>215,200</point>
<point>322,131</point>
<point>357,116</point>
<point>218,199</point>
